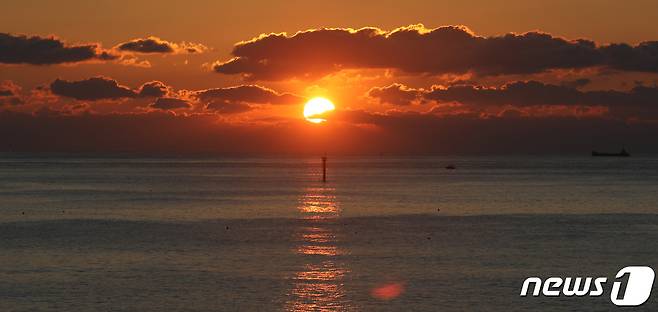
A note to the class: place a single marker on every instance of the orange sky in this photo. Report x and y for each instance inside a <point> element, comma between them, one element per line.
<point>220,24</point>
<point>373,88</point>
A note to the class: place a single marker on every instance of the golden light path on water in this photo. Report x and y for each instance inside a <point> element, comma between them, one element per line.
<point>319,285</point>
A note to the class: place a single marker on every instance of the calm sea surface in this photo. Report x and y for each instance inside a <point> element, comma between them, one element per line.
<point>265,234</point>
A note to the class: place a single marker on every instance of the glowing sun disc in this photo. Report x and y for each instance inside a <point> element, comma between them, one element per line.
<point>316,107</point>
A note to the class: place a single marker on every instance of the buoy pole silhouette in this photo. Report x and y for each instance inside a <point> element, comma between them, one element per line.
<point>324,168</point>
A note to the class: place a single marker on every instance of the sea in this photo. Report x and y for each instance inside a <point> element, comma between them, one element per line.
<point>267,234</point>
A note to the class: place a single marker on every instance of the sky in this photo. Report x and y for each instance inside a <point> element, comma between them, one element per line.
<point>411,78</point>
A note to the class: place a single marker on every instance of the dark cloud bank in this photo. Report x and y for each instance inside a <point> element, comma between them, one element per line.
<point>104,88</point>
<point>640,102</point>
<point>413,134</point>
<point>228,100</point>
<point>350,131</point>
<point>35,50</point>
<point>414,49</point>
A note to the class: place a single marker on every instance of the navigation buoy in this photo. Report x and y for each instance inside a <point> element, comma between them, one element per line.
<point>324,168</point>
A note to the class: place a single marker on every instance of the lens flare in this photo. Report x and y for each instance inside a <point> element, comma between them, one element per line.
<point>388,291</point>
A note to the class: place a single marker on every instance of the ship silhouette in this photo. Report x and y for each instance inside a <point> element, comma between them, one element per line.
<point>622,153</point>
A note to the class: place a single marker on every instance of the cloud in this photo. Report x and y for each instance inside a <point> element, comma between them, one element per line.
<point>9,88</point>
<point>129,59</point>
<point>248,94</point>
<point>170,103</point>
<point>642,57</point>
<point>157,45</point>
<point>396,94</point>
<point>639,102</point>
<point>418,50</point>
<point>577,83</point>
<point>155,89</point>
<point>534,93</point>
<point>104,88</point>
<point>227,100</point>
<point>10,93</point>
<point>95,88</point>
<point>35,50</point>
<point>225,107</point>
<point>518,93</point>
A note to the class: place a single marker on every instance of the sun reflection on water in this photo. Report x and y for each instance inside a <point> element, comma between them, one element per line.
<point>318,203</point>
<point>319,284</point>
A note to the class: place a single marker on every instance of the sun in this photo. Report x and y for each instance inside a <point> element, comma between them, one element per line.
<point>316,107</point>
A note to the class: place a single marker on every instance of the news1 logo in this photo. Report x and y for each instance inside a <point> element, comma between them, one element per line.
<point>631,287</point>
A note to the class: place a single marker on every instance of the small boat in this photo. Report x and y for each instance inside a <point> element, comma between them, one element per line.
<point>451,167</point>
<point>623,153</point>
